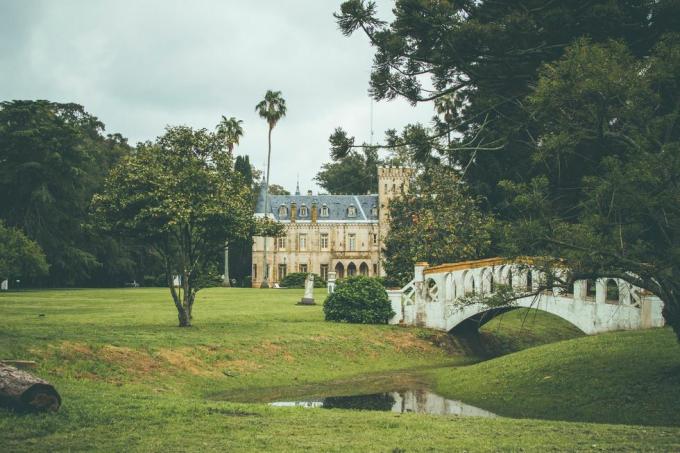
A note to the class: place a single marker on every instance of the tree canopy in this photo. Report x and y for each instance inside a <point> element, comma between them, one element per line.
<point>20,257</point>
<point>562,116</point>
<point>437,222</point>
<point>181,196</point>
<point>53,157</point>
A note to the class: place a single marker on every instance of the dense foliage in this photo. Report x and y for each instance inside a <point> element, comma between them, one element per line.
<point>181,196</point>
<point>20,257</point>
<point>361,300</point>
<point>562,115</point>
<point>438,222</point>
<point>616,215</point>
<point>297,280</point>
<point>54,157</point>
<point>240,249</point>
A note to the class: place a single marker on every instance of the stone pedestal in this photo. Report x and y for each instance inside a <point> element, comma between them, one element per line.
<point>308,298</point>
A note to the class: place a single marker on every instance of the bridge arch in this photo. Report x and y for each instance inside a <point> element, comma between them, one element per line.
<point>471,317</point>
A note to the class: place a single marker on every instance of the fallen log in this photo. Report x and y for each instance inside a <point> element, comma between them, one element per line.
<point>21,364</point>
<point>22,391</point>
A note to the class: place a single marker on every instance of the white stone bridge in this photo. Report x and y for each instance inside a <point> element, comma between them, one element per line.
<point>431,299</point>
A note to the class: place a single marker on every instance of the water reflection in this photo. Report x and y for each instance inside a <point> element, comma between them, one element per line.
<point>420,401</point>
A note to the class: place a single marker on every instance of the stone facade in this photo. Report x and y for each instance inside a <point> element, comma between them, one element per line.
<point>324,233</point>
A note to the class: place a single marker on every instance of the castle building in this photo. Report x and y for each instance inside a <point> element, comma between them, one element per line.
<point>324,233</point>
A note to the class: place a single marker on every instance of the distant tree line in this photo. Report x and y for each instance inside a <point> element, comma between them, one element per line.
<point>54,157</point>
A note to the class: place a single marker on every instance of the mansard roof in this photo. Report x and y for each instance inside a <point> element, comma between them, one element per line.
<point>338,206</point>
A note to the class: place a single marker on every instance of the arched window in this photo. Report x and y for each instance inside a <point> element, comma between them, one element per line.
<point>590,288</point>
<point>303,211</point>
<point>432,290</point>
<point>351,211</point>
<point>283,211</point>
<point>324,211</point>
<point>339,271</point>
<point>363,269</point>
<point>374,211</point>
<point>351,270</point>
<point>612,292</point>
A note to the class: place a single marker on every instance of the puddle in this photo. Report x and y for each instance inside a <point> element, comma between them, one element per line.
<point>418,401</point>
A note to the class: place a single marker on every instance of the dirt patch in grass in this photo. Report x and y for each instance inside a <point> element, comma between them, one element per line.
<point>407,342</point>
<point>237,366</point>
<point>135,362</point>
<point>68,350</point>
<point>271,350</point>
<point>184,359</point>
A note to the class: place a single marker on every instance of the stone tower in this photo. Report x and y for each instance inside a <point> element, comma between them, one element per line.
<point>392,183</point>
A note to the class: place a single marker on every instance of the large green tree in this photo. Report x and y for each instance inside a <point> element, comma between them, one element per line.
<point>607,201</point>
<point>181,196</point>
<point>53,157</point>
<point>564,117</point>
<point>437,222</point>
<point>484,57</point>
<point>241,250</point>
<point>272,109</point>
<point>232,131</point>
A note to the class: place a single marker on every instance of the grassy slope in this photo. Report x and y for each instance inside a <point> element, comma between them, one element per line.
<point>131,380</point>
<point>622,377</point>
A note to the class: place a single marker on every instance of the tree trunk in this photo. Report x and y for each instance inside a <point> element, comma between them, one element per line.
<point>265,269</point>
<point>24,392</point>
<point>184,318</point>
<point>227,281</point>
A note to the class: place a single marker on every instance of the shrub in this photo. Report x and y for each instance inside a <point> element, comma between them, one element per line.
<point>361,300</point>
<point>297,280</point>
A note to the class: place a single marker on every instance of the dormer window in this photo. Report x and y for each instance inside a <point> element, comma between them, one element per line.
<point>303,211</point>
<point>324,211</point>
<point>283,211</point>
<point>374,211</point>
<point>351,211</point>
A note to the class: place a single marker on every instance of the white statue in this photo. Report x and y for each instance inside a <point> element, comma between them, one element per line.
<point>308,298</point>
<point>331,282</point>
<point>4,286</point>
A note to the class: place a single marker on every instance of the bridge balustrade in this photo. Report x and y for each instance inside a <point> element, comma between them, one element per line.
<point>434,297</point>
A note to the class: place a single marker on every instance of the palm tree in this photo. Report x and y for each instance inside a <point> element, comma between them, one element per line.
<point>232,131</point>
<point>272,108</point>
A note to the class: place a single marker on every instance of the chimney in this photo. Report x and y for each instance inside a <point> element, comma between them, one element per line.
<point>315,212</point>
<point>309,193</point>
<point>293,211</point>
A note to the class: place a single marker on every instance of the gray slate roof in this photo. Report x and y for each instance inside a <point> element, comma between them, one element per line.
<point>338,206</point>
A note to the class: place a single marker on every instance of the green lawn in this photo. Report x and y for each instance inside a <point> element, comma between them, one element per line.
<point>621,377</point>
<point>131,380</point>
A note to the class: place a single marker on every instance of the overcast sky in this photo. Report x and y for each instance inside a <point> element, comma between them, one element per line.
<point>141,65</point>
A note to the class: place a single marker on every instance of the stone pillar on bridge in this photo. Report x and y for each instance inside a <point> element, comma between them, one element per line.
<point>580,290</point>
<point>418,271</point>
<point>601,290</point>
